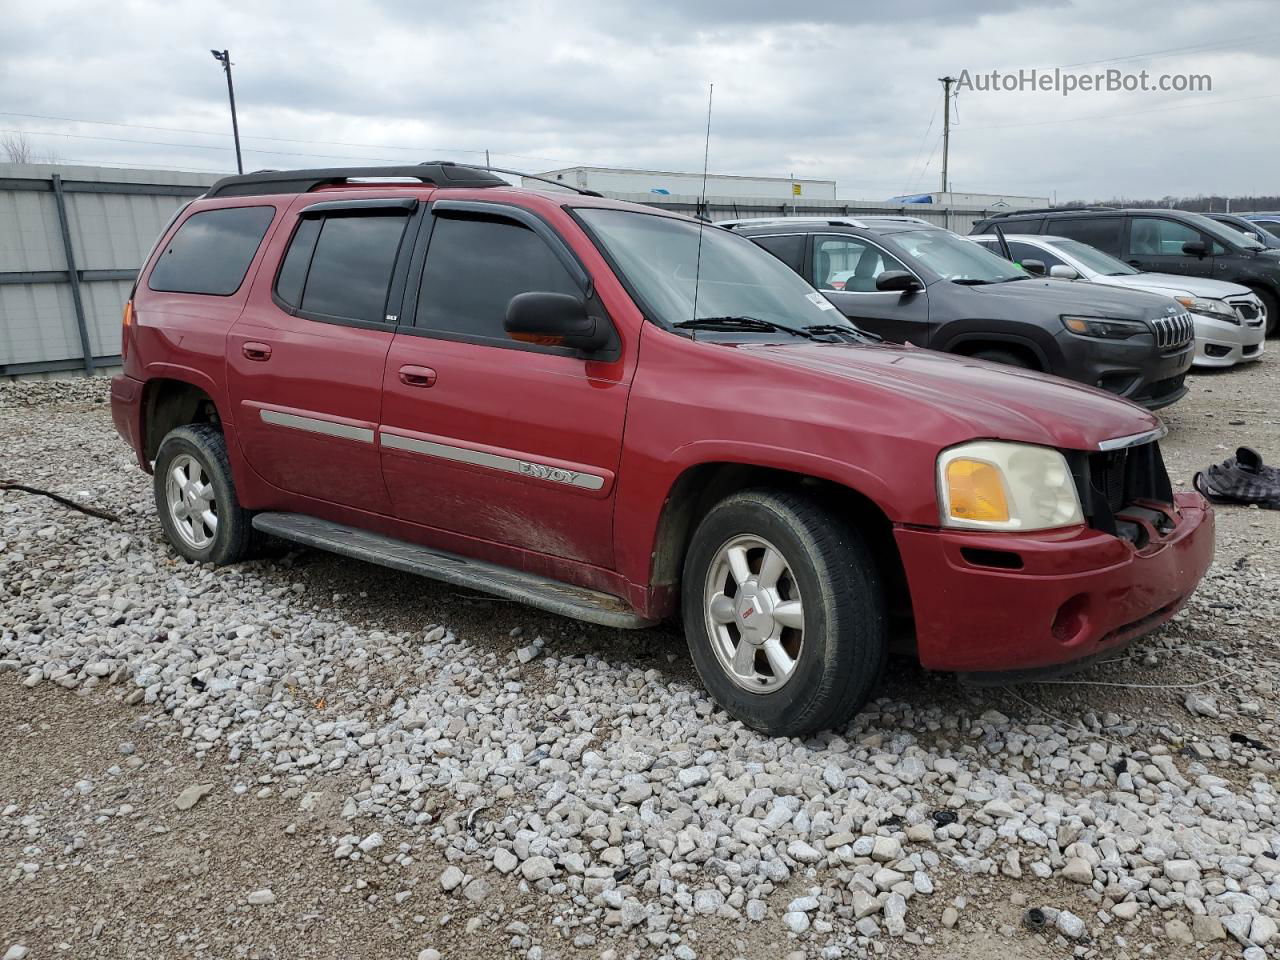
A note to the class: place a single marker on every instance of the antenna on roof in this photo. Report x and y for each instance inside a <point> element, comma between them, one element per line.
<point>702,204</point>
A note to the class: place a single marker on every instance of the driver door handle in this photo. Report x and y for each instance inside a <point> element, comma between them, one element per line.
<point>256,351</point>
<point>412,375</point>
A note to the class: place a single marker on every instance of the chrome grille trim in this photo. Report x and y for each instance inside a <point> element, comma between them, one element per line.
<point>1174,331</point>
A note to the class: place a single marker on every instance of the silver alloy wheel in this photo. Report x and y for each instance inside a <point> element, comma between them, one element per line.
<point>754,614</point>
<point>192,505</point>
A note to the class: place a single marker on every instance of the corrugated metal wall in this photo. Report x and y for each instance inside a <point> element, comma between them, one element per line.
<point>108,219</point>
<point>111,218</point>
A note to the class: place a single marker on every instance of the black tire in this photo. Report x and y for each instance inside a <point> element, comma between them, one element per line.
<point>1010,358</point>
<point>842,654</point>
<point>1272,303</point>
<point>234,538</point>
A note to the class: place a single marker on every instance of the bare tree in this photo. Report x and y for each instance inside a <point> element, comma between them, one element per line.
<point>17,148</point>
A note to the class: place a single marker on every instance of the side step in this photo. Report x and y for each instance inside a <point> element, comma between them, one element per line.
<point>550,595</point>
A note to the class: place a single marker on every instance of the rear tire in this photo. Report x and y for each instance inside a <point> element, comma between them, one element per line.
<point>196,497</point>
<point>1009,358</point>
<point>773,578</point>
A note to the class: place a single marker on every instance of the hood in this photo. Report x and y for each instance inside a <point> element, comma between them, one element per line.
<point>1172,284</point>
<point>1068,296</point>
<point>981,399</point>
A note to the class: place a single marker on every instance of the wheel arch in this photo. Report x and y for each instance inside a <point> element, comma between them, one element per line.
<point>968,344</point>
<point>700,486</point>
<point>169,402</point>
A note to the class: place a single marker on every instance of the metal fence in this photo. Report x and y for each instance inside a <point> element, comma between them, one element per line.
<point>72,240</point>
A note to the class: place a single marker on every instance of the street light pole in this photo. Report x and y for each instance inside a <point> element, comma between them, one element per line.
<point>224,57</point>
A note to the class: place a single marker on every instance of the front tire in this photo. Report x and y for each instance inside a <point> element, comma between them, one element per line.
<point>784,612</point>
<point>1009,358</point>
<point>196,497</point>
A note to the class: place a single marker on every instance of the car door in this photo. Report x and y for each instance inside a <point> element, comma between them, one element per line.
<point>1155,244</point>
<point>305,361</point>
<point>486,437</point>
<point>845,267</point>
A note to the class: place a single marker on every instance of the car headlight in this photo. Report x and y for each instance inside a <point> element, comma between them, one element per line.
<point>1210,308</point>
<point>1104,328</point>
<point>992,485</point>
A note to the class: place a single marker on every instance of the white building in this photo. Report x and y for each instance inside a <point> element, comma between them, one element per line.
<point>609,180</point>
<point>985,201</point>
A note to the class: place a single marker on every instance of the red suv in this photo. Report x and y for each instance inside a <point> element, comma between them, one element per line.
<point>620,414</point>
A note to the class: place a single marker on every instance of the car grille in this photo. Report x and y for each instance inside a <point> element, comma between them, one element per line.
<point>1111,480</point>
<point>1250,311</point>
<point>1175,331</point>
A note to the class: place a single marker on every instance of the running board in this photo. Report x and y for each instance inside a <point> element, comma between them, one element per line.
<point>550,595</point>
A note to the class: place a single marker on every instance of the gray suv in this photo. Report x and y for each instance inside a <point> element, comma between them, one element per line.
<point>910,282</point>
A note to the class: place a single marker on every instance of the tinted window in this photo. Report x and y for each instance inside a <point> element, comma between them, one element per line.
<point>475,266</point>
<point>1021,250</point>
<point>789,249</point>
<point>849,264</point>
<point>1157,237</point>
<point>211,251</point>
<point>1100,232</point>
<point>293,272</point>
<point>351,267</point>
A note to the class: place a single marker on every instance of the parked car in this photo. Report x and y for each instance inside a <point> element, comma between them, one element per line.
<point>1252,230</point>
<point>1230,320</point>
<point>1269,222</point>
<point>910,282</point>
<point>621,414</point>
<point>1161,241</point>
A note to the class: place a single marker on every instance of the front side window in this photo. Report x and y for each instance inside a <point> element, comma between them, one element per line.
<point>850,264</point>
<point>211,252</point>
<point>1100,232</point>
<point>671,264</point>
<point>1157,237</point>
<point>1022,251</point>
<point>475,266</point>
<point>1094,259</point>
<point>955,258</point>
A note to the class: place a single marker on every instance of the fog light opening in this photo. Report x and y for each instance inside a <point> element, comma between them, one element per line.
<point>1070,622</point>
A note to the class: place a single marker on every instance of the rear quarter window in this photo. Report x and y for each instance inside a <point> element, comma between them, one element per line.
<point>211,252</point>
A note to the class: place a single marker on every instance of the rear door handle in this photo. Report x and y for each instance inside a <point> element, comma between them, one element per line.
<point>256,351</point>
<point>412,375</point>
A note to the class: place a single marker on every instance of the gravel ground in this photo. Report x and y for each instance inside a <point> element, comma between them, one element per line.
<point>305,756</point>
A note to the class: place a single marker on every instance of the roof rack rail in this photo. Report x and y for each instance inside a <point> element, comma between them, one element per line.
<point>440,173</point>
<point>897,218</point>
<point>1018,213</point>
<point>770,221</point>
<point>583,191</point>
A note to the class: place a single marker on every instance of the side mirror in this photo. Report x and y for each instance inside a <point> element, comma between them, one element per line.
<point>1195,248</point>
<point>1060,271</point>
<point>898,281</point>
<point>554,320</point>
<point>1034,267</point>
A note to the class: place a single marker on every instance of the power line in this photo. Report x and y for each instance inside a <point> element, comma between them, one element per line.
<point>1119,116</point>
<point>1171,51</point>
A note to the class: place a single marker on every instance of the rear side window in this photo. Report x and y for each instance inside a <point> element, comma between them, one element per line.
<point>1100,232</point>
<point>211,252</point>
<point>475,266</point>
<point>788,249</point>
<point>340,267</point>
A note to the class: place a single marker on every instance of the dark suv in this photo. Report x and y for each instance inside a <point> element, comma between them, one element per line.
<point>1161,241</point>
<point>911,282</point>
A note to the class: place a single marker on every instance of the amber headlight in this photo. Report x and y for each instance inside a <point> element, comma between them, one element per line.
<point>990,485</point>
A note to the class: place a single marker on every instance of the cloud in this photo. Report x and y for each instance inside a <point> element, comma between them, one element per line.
<point>840,90</point>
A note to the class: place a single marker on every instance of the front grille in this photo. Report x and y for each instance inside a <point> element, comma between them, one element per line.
<point>1250,312</point>
<point>1175,331</point>
<point>1111,480</point>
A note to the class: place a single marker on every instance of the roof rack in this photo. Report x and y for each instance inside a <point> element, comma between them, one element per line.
<point>828,221</point>
<point>440,173</point>
<point>1018,213</point>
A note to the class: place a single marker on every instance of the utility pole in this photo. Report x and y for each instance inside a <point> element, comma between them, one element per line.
<point>946,125</point>
<point>224,57</point>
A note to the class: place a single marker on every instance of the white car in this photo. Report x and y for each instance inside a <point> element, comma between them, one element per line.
<point>1230,320</point>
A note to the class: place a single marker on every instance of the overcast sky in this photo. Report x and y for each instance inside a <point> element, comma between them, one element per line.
<point>837,89</point>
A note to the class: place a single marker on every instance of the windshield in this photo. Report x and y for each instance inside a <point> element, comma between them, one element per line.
<point>1093,258</point>
<point>954,258</point>
<point>659,258</point>
<point>1220,231</point>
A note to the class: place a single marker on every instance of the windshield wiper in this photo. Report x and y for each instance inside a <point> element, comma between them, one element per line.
<point>850,330</point>
<point>1011,279</point>
<point>745,323</point>
<point>971,281</point>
